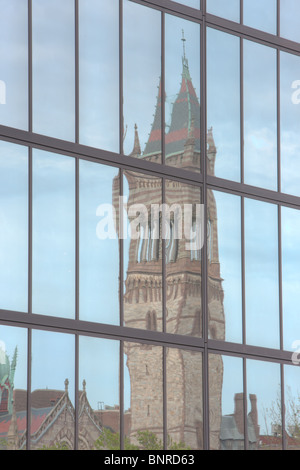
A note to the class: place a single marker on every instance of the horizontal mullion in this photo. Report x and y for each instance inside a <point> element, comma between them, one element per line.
<point>169,6</point>
<point>115,332</point>
<point>252,34</point>
<point>72,149</point>
<point>70,326</point>
<point>253,192</point>
<point>249,351</point>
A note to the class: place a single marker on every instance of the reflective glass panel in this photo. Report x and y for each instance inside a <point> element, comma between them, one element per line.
<point>261,15</point>
<point>141,81</point>
<point>142,251</point>
<point>99,74</point>
<point>260,113</point>
<point>53,36</point>
<point>290,228</point>
<point>14,63</point>
<point>261,274</point>
<point>223,105</point>
<point>226,264</point>
<point>183,224</point>
<point>53,387</point>
<point>290,118</point>
<point>184,400</point>
<point>289,20</point>
<point>99,246</point>
<point>143,397</point>
<point>13,388</point>
<point>264,406</point>
<point>53,234</point>
<point>182,84</point>
<point>292,404</point>
<point>226,403</point>
<point>229,9</point>
<point>14,227</point>
<point>99,410</point>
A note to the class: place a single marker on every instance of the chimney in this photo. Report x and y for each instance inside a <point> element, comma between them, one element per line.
<point>253,414</point>
<point>239,411</point>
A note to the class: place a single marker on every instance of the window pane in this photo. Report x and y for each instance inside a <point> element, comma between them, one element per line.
<point>54,68</point>
<point>99,410</point>
<point>14,63</point>
<point>143,397</point>
<point>264,406</point>
<point>53,234</point>
<point>260,115</point>
<point>290,135</point>
<point>261,259</point>
<point>182,84</point>
<point>99,246</point>
<point>53,387</point>
<point>289,20</point>
<point>14,227</point>
<point>99,74</point>
<point>223,105</point>
<point>261,15</point>
<point>142,252</point>
<point>292,403</point>
<point>142,73</point>
<point>184,400</point>
<point>184,240</point>
<point>229,9</point>
<point>290,227</point>
<point>226,403</point>
<point>227,224</point>
<point>13,388</point>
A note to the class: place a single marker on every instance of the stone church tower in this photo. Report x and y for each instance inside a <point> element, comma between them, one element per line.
<point>143,283</point>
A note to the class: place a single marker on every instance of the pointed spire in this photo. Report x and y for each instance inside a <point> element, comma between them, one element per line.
<point>136,148</point>
<point>183,45</point>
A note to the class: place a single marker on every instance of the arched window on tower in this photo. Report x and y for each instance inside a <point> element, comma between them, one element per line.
<point>195,253</point>
<point>151,321</point>
<point>171,244</point>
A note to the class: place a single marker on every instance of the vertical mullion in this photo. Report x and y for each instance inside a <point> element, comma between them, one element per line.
<point>278,124</point>
<point>278,17</point>
<point>76,391</point>
<point>246,439</point>
<point>163,94</point>
<point>243,270</point>
<point>76,6</point>
<point>165,400</point>
<point>205,384</point>
<point>29,331</point>
<point>121,226</point>
<point>242,136</point>
<point>121,306</point>
<point>30,65</point>
<point>284,441</point>
<point>241,11</point>
<point>164,316</point>
<point>163,249</point>
<point>280,276</point>
<point>121,396</point>
<point>121,88</point>
<point>29,354</point>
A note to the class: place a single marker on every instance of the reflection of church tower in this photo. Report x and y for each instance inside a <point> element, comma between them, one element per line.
<point>143,284</point>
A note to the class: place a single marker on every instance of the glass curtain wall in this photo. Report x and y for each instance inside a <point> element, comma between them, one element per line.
<point>149,208</point>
